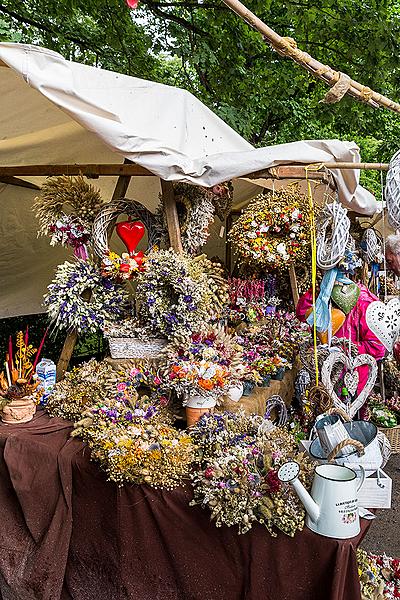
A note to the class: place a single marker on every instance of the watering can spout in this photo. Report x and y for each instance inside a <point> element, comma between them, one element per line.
<point>288,473</point>
<point>310,505</point>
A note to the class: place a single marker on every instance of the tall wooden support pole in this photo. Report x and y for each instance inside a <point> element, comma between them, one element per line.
<point>120,190</point>
<point>228,245</point>
<point>171,215</point>
<point>293,285</point>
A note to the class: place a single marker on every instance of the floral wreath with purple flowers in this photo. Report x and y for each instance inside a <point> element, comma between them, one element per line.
<point>80,299</point>
<point>179,295</point>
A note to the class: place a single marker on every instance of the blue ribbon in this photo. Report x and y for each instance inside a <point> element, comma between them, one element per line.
<point>375,278</point>
<point>323,314</point>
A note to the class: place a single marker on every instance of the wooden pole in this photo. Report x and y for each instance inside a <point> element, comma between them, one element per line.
<point>71,339</point>
<point>288,47</point>
<point>171,214</point>
<point>293,171</point>
<point>293,285</point>
<point>19,183</point>
<point>66,353</point>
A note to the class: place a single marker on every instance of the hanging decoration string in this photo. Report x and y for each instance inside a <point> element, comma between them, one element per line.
<point>384,237</point>
<point>313,267</point>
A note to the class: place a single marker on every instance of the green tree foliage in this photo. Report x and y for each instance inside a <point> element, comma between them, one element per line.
<point>202,46</point>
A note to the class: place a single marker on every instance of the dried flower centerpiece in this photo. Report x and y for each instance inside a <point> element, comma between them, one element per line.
<point>274,230</point>
<point>179,295</point>
<point>203,365</point>
<point>271,345</point>
<point>131,440</point>
<point>94,382</point>
<point>238,458</point>
<point>80,299</point>
<point>66,208</point>
<point>18,385</point>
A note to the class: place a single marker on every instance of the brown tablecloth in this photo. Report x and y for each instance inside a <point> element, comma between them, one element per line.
<point>66,533</point>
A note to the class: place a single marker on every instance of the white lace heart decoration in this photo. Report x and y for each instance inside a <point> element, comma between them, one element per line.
<point>351,380</point>
<point>350,365</point>
<point>384,321</point>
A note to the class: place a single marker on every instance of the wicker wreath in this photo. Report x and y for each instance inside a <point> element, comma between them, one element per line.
<point>392,191</point>
<point>332,235</point>
<point>372,246</point>
<point>307,357</point>
<point>108,215</point>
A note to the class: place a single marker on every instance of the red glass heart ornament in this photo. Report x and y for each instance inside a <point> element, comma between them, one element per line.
<point>130,232</point>
<point>396,352</point>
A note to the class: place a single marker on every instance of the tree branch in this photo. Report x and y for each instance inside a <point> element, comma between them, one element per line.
<point>174,18</point>
<point>45,27</point>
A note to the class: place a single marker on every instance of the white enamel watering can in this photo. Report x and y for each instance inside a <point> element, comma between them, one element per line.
<point>332,507</point>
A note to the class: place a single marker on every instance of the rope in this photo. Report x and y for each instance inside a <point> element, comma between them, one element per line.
<point>319,397</point>
<point>348,442</point>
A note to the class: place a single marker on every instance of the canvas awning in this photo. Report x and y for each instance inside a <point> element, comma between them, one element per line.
<point>55,111</point>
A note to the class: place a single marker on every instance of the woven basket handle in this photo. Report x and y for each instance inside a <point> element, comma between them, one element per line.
<point>348,442</point>
<point>336,410</point>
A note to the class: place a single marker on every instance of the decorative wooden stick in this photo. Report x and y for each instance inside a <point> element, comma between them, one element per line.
<point>287,46</point>
<point>171,214</point>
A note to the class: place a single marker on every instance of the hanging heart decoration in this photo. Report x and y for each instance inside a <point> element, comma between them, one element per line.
<point>337,320</point>
<point>350,364</point>
<point>351,381</point>
<point>384,321</point>
<point>130,232</point>
<point>345,296</point>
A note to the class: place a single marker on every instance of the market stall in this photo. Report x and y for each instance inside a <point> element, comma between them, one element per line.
<point>199,418</point>
<point>74,535</point>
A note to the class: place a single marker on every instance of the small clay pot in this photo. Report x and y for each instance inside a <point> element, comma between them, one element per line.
<point>18,411</point>
<point>196,407</point>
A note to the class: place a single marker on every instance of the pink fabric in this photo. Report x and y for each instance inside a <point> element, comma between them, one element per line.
<point>355,327</point>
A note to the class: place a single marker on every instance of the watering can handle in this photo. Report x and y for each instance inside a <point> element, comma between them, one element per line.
<point>362,478</point>
<point>348,442</point>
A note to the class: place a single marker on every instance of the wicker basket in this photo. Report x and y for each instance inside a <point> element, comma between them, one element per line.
<point>393,435</point>
<point>124,347</point>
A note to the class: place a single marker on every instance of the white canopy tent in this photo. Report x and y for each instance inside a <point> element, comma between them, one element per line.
<point>55,112</point>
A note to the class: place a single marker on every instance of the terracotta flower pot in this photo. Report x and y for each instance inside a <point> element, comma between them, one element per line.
<point>18,411</point>
<point>196,407</point>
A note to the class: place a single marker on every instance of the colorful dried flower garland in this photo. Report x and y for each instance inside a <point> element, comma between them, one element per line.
<point>81,387</point>
<point>238,458</point>
<point>73,228</point>
<point>68,309</point>
<point>206,365</point>
<point>133,446</point>
<point>274,230</point>
<point>179,295</point>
